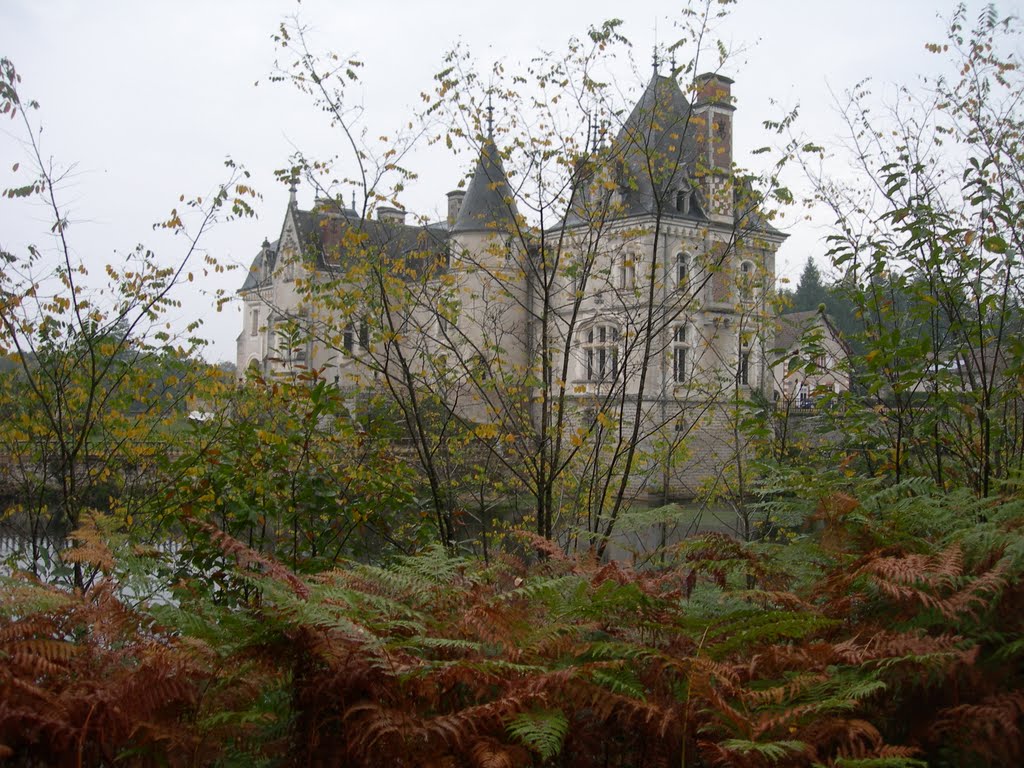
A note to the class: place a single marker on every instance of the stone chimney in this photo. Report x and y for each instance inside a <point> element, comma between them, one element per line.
<point>713,101</point>
<point>712,112</point>
<point>455,198</point>
<point>388,213</point>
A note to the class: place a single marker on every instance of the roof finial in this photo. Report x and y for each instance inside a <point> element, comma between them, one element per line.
<point>291,191</point>
<point>673,62</point>
<point>655,57</point>
<point>490,118</point>
<point>353,200</point>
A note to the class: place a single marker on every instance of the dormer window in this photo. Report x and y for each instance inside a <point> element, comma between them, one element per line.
<point>683,201</point>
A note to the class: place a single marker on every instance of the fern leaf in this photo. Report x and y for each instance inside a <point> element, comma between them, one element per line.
<point>771,751</point>
<point>542,730</point>
<point>880,762</point>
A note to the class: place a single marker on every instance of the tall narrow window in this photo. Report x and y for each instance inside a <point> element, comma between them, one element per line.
<point>680,353</point>
<point>602,352</point>
<point>682,272</point>
<point>627,274</point>
<point>743,362</point>
<point>364,334</point>
<point>254,322</point>
<point>744,371</point>
<point>747,281</point>
<point>348,339</point>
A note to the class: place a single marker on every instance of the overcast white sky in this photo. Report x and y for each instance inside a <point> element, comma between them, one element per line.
<point>146,99</point>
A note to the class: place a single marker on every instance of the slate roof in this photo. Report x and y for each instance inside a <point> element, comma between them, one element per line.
<point>333,238</point>
<point>657,144</point>
<point>793,325</point>
<point>653,154</point>
<point>488,204</point>
<point>748,209</point>
<point>262,266</point>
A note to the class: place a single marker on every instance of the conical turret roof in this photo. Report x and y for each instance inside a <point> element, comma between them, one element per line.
<point>653,155</point>
<point>488,205</point>
<point>657,144</point>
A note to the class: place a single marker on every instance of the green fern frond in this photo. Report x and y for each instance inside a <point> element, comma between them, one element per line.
<point>443,643</point>
<point>1009,651</point>
<point>843,691</point>
<point>639,520</point>
<point>500,665</point>
<point>549,590</point>
<point>433,565</point>
<point>862,689</point>
<point>542,730</point>
<point>610,650</point>
<point>750,628</point>
<point>620,680</point>
<point>880,762</point>
<point>23,597</point>
<point>772,751</point>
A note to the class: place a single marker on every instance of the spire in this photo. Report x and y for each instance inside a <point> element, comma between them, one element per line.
<point>488,205</point>
<point>490,118</point>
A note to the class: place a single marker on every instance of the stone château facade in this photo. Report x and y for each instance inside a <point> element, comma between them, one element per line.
<point>645,305</point>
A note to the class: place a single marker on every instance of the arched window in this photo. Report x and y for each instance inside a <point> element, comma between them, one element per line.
<point>746,281</point>
<point>682,272</point>
<point>601,351</point>
<point>680,353</point>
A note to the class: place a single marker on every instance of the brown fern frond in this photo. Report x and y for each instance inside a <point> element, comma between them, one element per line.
<point>931,581</point>
<point>374,723</point>
<point>249,558</point>
<point>25,629</point>
<point>44,648</point>
<point>991,727</point>
<point>977,595</point>
<point>496,624</point>
<point>548,548</point>
<point>843,737</point>
<point>895,750</point>
<point>780,693</point>
<point>90,547</point>
<point>488,752</point>
<point>835,507</point>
